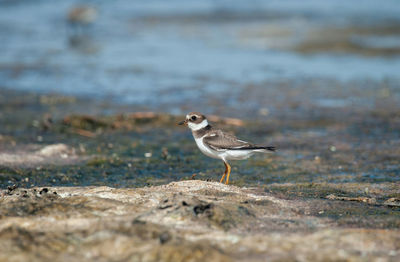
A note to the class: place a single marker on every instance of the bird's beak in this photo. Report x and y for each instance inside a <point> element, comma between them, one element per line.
<point>184,122</point>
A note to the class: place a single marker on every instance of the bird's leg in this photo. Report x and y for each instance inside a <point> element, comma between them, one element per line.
<point>226,170</point>
<point>228,173</point>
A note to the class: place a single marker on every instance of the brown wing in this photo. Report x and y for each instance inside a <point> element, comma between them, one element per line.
<point>221,141</point>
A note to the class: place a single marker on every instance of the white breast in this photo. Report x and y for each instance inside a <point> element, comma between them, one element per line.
<point>205,149</point>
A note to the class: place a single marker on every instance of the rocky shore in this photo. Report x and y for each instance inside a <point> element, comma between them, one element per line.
<point>189,221</point>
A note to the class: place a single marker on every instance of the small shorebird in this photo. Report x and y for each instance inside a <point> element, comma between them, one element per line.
<point>82,16</point>
<point>217,144</point>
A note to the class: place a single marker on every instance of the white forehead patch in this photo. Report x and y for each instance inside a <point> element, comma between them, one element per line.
<point>199,126</point>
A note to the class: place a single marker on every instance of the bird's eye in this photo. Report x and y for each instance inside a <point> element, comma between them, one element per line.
<point>194,118</point>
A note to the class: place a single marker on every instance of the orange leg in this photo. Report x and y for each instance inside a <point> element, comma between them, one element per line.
<point>226,170</point>
<point>228,173</point>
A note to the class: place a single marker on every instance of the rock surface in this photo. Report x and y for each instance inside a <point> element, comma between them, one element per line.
<point>34,155</point>
<point>181,221</point>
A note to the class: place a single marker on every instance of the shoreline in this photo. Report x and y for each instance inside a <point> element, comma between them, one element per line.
<point>324,195</point>
<point>188,220</point>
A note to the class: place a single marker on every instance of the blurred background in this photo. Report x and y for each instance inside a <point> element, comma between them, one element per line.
<point>237,58</point>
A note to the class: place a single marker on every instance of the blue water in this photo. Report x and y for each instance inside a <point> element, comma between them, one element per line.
<point>154,52</point>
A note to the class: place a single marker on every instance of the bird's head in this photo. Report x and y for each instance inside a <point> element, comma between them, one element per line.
<point>195,121</point>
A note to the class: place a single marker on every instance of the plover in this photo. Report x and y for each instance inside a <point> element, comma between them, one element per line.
<point>220,145</point>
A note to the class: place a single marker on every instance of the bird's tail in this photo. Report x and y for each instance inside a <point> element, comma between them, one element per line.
<point>262,149</point>
<point>256,148</point>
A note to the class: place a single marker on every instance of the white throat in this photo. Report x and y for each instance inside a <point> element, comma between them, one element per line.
<point>196,127</point>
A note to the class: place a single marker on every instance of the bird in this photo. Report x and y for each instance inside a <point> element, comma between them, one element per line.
<point>82,16</point>
<point>218,144</point>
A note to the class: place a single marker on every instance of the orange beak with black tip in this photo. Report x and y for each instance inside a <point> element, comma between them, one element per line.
<point>184,122</point>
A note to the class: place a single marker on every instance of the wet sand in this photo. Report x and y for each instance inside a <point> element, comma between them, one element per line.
<point>110,142</point>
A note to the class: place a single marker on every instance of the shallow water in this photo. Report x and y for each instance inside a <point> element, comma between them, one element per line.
<point>169,56</point>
